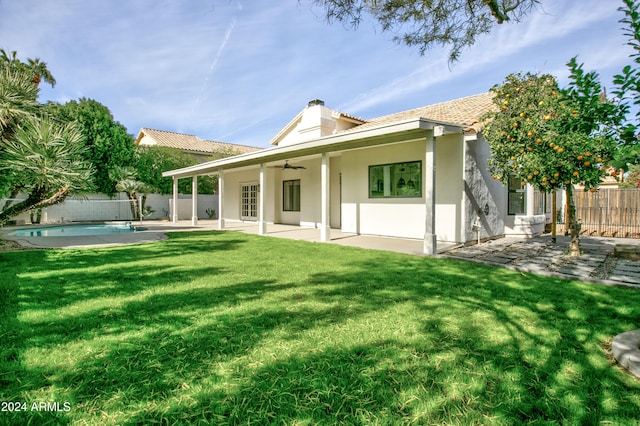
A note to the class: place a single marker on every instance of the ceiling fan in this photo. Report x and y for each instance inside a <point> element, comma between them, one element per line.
<point>288,166</point>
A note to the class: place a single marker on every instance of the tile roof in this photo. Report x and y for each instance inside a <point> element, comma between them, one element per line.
<point>465,111</point>
<point>193,143</point>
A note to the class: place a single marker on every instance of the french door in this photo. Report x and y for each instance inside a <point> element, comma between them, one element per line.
<point>249,201</point>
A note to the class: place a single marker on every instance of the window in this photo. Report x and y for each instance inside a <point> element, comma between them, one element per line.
<point>542,202</point>
<point>291,195</point>
<point>395,180</point>
<point>517,196</point>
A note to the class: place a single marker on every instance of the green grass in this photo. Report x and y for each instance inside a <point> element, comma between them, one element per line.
<point>228,328</point>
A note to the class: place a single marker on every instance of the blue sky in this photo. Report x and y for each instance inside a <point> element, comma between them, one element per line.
<point>238,71</point>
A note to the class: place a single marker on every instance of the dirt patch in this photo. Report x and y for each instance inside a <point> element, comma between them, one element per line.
<point>8,245</point>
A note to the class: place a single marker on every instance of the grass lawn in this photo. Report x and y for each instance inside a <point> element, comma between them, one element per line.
<point>229,328</point>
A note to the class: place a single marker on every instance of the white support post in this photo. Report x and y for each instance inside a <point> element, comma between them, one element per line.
<point>140,208</point>
<point>194,201</point>
<point>174,207</point>
<point>430,244</point>
<point>325,194</point>
<point>220,200</point>
<point>530,205</point>
<point>262,208</point>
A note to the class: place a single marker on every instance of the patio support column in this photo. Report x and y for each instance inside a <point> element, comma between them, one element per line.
<point>262,208</point>
<point>430,244</point>
<point>220,200</point>
<point>174,207</point>
<point>325,194</point>
<point>530,206</point>
<point>194,201</point>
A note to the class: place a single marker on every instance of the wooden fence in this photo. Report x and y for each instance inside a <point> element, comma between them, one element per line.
<point>609,212</point>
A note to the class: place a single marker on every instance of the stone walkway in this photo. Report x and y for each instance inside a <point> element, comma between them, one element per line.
<point>539,255</point>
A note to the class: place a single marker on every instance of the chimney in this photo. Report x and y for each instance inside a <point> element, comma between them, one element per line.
<point>315,102</point>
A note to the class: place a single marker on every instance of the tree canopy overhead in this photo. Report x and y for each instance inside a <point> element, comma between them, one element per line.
<point>108,143</point>
<point>425,24</point>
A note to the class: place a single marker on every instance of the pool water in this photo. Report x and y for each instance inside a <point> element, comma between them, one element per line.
<point>73,230</point>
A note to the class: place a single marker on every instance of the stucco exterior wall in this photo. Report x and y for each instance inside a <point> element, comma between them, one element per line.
<point>482,193</point>
<point>305,217</point>
<point>99,207</point>
<point>232,191</point>
<point>403,217</point>
<point>449,188</point>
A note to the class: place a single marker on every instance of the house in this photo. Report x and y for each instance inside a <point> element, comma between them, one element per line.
<point>202,150</point>
<point>418,174</point>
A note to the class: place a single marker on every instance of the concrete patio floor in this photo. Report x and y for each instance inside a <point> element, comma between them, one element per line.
<point>156,231</point>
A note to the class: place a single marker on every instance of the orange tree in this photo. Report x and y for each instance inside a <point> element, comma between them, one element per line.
<point>553,138</point>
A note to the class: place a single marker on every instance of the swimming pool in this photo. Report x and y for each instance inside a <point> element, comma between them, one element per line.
<point>74,230</point>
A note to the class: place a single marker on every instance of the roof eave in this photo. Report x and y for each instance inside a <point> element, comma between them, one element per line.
<point>342,141</point>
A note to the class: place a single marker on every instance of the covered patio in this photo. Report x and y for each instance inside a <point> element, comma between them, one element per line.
<point>325,160</point>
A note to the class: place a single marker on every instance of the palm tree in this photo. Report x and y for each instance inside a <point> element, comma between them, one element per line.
<point>18,100</point>
<point>17,103</point>
<point>37,69</point>
<point>127,181</point>
<point>9,59</point>
<point>47,159</point>
<point>40,72</point>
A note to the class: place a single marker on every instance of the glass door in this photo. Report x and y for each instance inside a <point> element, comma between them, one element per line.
<point>249,201</point>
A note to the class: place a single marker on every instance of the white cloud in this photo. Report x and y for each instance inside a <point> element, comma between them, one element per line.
<point>228,72</point>
<point>535,37</point>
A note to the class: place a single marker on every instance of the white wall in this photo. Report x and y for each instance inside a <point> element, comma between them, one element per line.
<point>100,207</point>
<point>232,181</point>
<point>482,190</point>
<point>449,188</point>
<point>402,217</point>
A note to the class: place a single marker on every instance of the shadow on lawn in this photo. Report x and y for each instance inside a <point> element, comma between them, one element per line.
<point>488,345</point>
